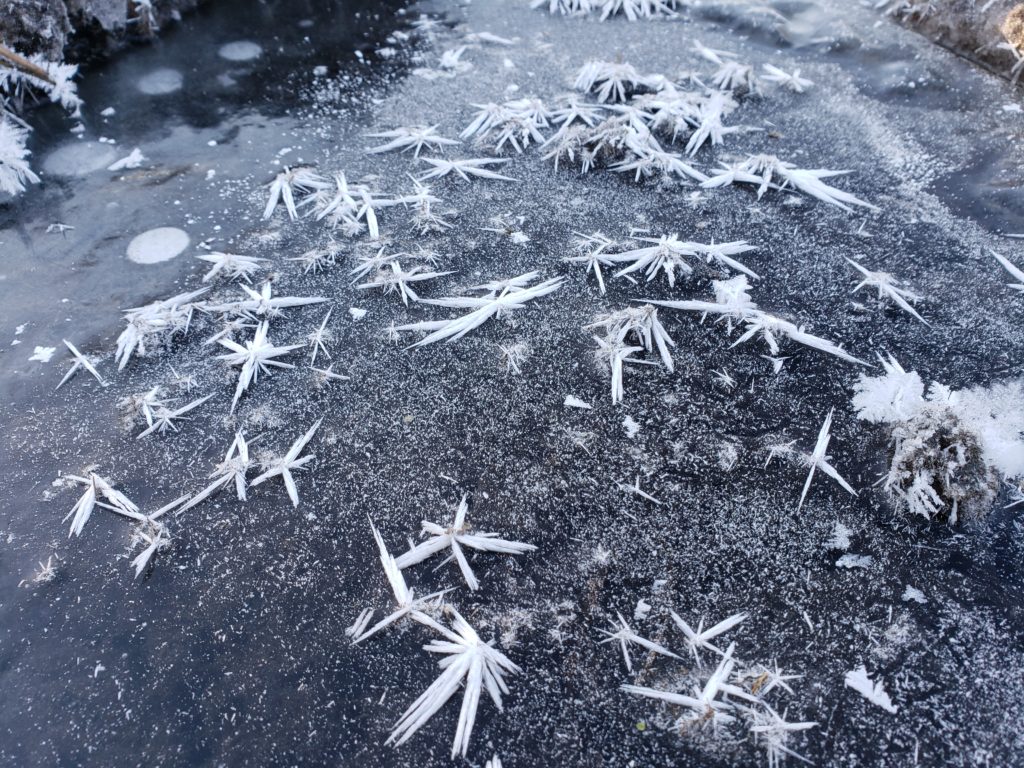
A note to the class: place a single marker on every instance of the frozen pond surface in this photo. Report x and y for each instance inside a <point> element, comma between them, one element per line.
<point>231,649</point>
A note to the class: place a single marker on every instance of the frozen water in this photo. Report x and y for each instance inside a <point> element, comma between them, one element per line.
<point>240,50</point>
<point>157,245</point>
<point>77,158</point>
<point>161,82</point>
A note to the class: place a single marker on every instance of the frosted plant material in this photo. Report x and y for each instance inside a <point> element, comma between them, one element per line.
<point>455,537</point>
<point>15,172</point>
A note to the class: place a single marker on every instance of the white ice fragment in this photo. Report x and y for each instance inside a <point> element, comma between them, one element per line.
<point>642,610</point>
<point>631,427</point>
<point>872,691</point>
<point>854,561</point>
<point>133,160</point>
<point>357,313</point>
<point>108,112</point>
<point>915,594</point>
<point>42,354</point>
<point>840,537</point>
<point>574,402</point>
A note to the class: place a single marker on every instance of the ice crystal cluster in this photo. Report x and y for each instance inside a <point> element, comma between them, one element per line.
<point>949,447</point>
<point>22,78</point>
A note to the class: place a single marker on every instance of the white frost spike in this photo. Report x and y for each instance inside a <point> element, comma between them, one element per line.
<point>761,169</point>
<point>609,80</point>
<point>704,703</point>
<point>818,459</point>
<point>263,303</point>
<point>289,181</point>
<point>643,325</point>
<point>164,417</point>
<point>408,604</point>
<point>700,638</point>
<point>393,278</point>
<point>414,137</point>
<point>231,265</point>
<point>167,316</point>
<point>255,357</point>
<point>470,662</point>
<point>455,537</point>
<point>773,731</point>
<point>233,469</point>
<point>635,489</point>
<point>317,339</point>
<point>81,361</point>
<point>464,168</point>
<point>591,249</point>
<point>792,81</point>
<point>97,487</point>
<point>615,353</point>
<point>872,691</point>
<point>15,172</point>
<point>1015,273</point>
<point>153,534</point>
<point>625,635</point>
<point>290,462</point>
<point>887,285</point>
<point>512,295</point>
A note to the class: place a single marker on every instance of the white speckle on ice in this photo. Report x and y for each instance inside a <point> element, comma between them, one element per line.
<point>357,314</point>
<point>108,112</point>
<point>874,692</point>
<point>96,671</point>
<point>840,537</point>
<point>643,608</point>
<point>43,354</point>
<point>854,561</point>
<point>915,594</point>
<point>79,158</point>
<point>20,329</point>
<point>319,71</point>
<point>156,245</point>
<point>160,82</point>
<point>631,427</point>
<point>134,160</point>
<point>240,50</point>
<point>575,402</point>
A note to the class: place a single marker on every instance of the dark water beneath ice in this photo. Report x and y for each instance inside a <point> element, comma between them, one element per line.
<point>231,651</point>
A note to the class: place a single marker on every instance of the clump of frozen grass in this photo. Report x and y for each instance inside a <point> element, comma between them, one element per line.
<point>633,10</point>
<point>639,325</point>
<point>516,123</point>
<point>949,447</point>
<point>159,320</point>
<point>455,537</point>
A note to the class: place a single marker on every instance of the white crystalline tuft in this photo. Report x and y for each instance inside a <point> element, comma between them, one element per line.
<point>872,691</point>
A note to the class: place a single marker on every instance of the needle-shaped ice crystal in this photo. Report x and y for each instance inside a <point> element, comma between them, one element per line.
<point>164,417</point>
<point>290,462</point>
<point>625,636</point>
<point>414,137</point>
<point>232,470</point>
<point>1015,272</point>
<point>95,489</point>
<point>255,357</point>
<point>231,265</point>
<point>472,664</point>
<point>790,80</point>
<point>476,167</point>
<point>888,286</point>
<point>818,459</point>
<point>289,182</point>
<point>700,639</point>
<point>512,295</point>
<point>455,537</point>
<point>81,362</point>
<point>407,603</point>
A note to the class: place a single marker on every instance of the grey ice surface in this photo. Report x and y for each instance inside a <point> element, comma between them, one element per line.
<point>231,649</point>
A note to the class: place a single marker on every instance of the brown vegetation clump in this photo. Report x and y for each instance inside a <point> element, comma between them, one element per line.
<point>1013,27</point>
